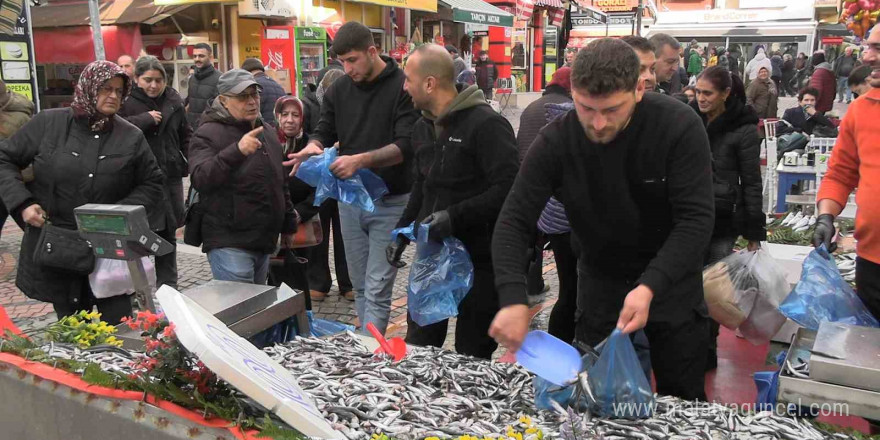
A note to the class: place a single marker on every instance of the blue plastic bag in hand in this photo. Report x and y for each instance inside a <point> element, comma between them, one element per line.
<point>360,190</point>
<point>823,295</point>
<point>547,392</point>
<point>618,383</point>
<point>441,276</point>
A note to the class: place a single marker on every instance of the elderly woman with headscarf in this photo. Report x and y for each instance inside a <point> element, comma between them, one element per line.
<point>82,154</point>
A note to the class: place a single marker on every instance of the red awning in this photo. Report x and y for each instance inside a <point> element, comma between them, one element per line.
<point>550,3</point>
<point>73,45</point>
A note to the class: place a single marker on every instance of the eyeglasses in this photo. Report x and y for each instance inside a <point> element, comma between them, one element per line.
<point>244,97</point>
<point>107,90</point>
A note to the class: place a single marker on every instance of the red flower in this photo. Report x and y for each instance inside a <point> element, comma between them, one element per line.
<point>168,333</point>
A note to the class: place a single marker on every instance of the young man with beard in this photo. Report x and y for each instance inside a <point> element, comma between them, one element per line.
<point>855,164</point>
<point>647,60</point>
<point>371,116</point>
<point>465,163</point>
<point>202,87</point>
<point>633,170</point>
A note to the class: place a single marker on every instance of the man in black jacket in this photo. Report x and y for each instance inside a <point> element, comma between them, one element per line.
<point>202,88</point>
<point>236,165</point>
<point>667,50</point>
<point>270,90</point>
<point>371,116</point>
<point>462,198</point>
<point>333,63</point>
<point>804,118</point>
<point>634,173</point>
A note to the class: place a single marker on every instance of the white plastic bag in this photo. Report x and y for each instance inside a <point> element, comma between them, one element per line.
<point>750,299</point>
<point>112,278</point>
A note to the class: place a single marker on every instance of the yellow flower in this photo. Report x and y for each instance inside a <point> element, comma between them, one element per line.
<point>432,438</point>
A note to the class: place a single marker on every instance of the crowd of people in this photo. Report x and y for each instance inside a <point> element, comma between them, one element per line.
<point>635,191</point>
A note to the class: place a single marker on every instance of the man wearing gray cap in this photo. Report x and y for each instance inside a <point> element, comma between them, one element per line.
<point>270,90</point>
<point>235,164</point>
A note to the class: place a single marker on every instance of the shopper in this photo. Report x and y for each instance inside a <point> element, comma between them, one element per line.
<point>824,81</point>
<point>647,60</point>
<point>852,165</point>
<point>487,73</point>
<point>713,57</point>
<point>462,198</point>
<point>843,67</point>
<point>270,91</point>
<point>319,256</point>
<point>666,51</point>
<point>695,62</point>
<point>776,72</point>
<point>762,95</point>
<point>333,63</point>
<point>804,117</point>
<point>236,165</point>
<point>15,111</point>
<point>157,110</point>
<point>202,87</point>
<point>732,127</point>
<point>531,121</point>
<point>126,63</point>
<point>859,80</point>
<point>569,57</point>
<point>755,64</point>
<point>82,154</point>
<point>788,74</point>
<point>691,93</point>
<point>371,116</point>
<point>723,58</point>
<point>647,156</point>
<point>459,63</point>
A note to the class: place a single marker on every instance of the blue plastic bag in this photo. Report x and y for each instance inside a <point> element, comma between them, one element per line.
<point>618,383</point>
<point>823,295</point>
<point>441,276</point>
<point>547,392</point>
<point>322,327</point>
<point>360,190</point>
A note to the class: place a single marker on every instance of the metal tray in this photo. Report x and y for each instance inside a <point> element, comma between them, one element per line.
<point>847,355</point>
<point>823,396</point>
<point>231,301</point>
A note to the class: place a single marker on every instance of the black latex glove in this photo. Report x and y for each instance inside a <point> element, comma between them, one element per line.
<point>395,250</point>
<point>439,225</point>
<point>824,232</point>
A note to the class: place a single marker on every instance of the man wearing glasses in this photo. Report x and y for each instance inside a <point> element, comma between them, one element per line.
<point>856,163</point>
<point>236,166</point>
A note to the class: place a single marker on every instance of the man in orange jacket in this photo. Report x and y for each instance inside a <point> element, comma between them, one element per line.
<point>856,163</point>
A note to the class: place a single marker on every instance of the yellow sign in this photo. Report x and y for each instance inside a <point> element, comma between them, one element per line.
<point>24,89</point>
<point>419,5</point>
<point>249,38</point>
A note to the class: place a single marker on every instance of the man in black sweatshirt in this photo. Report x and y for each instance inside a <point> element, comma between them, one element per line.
<point>465,163</point>
<point>633,171</point>
<point>371,116</point>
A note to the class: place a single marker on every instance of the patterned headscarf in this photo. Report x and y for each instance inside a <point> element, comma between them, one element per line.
<point>279,107</point>
<point>85,98</point>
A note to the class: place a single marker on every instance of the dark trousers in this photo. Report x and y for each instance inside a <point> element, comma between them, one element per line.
<point>166,265</point>
<point>319,256</point>
<point>487,93</point>
<point>112,309</point>
<point>290,267</point>
<point>719,248</point>
<point>535,275</point>
<point>475,314</point>
<point>868,283</point>
<point>562,321</point>
<point>678,348</point>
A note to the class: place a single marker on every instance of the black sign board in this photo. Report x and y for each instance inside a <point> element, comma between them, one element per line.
<point>587,20</point>
<point>16,49</point>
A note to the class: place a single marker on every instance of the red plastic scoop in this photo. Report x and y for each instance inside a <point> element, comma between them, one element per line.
<point>396,347</point>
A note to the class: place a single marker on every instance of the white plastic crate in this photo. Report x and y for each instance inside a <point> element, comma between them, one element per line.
<point>822,145</point>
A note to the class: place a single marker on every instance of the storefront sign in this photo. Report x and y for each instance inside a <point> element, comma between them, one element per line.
<point>262,9</point>
<point>419,5</point>
<point>734,15</point>
<point>17,64</point>
<point>586,20</point>
<point>827,3</point>
<point>310,33</point>
<point>614,5</point>
<point>482,18</point>
<point>594,16</point>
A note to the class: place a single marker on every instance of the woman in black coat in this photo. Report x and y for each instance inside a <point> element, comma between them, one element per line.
<point>732,127</point>
<point>82,154</point>
<point>159,112</point>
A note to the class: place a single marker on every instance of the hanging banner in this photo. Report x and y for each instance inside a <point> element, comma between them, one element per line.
<point>17,67</point>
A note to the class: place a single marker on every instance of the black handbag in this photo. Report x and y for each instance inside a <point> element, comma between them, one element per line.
<point>64,249</point>
<point>192,231</point>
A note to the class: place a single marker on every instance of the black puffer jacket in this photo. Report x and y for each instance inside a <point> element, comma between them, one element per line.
<point>534,117</point>
<point>168,140</point>
<point>201,91</point>
<point>244,199</point>
<point>72,166</point>
<point>736,162</point>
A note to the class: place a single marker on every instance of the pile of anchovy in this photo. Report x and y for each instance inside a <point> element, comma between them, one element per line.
<point>433,392</point>
<point>107,357</point>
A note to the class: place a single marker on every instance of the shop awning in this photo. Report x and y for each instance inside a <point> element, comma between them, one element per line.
<point>418,5</point>
<point>478,12</point>
<point>73,45</point>
<point>112,12</point>
<point>550,3</point>
<point>834,30</point>
<point>733,30</point>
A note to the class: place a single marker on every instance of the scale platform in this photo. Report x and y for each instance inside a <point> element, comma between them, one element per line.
<point>817,390</point>
<point>246,308</point>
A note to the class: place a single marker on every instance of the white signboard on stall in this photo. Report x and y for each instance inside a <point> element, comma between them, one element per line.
<point>244,366</point>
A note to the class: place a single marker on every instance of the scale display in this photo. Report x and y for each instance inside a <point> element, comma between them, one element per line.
<point>103,224</point>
